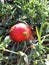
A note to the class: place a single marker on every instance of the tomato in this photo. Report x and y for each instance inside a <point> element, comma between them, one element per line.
<point>20,32</point>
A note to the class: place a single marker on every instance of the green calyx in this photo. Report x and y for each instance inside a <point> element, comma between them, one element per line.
<point>24,33</point>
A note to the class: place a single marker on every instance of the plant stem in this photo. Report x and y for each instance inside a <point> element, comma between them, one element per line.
<point>8,50</point>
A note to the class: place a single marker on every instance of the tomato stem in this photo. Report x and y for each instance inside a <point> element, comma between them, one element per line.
<point>24,33</point>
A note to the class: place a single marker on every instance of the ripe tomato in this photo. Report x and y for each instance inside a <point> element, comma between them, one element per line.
<point>20,32</point>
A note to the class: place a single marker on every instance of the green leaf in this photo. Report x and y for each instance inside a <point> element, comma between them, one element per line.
<point>21,53</point>
<point>0,38</point>
<point>38,35</point>
<point>47,56</point>
<point>24,56</point>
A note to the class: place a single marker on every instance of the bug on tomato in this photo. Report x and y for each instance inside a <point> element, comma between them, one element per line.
<point>20,32</point>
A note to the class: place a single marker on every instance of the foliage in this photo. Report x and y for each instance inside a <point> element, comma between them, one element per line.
<point>36,14</point>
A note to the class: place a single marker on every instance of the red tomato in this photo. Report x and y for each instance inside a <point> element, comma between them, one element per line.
<point>20,32</point>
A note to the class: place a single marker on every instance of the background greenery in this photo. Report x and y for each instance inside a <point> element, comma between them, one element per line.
<point>36,14</point>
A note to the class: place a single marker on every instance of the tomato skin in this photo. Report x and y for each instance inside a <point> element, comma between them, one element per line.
<point>20,32</point>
